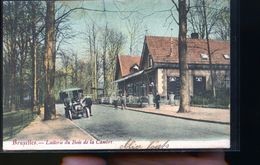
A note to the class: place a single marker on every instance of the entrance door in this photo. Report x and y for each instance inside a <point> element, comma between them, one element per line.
<point>173,86</point>
<point>199,85</point>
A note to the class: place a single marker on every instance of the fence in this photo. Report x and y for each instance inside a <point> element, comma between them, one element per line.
<point>222,100</point>
<point>14,122</point>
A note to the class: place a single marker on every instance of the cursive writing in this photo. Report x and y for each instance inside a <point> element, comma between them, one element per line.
<point>156,144</point>
<point>131,144</point>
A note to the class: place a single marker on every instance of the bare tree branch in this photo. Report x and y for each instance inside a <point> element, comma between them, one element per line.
<point>175,4</point>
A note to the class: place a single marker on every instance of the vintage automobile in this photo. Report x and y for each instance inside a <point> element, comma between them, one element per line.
<point>72,102</point>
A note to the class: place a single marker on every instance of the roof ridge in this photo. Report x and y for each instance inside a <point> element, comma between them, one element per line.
<point>199,39</point>
<point>159,36</point>
<point>133,55</point>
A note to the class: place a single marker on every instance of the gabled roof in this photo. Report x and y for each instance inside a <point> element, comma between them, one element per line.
<point>165,50</point>
<point>126,62</point>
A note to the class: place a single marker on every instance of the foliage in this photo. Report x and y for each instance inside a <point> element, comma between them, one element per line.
<point>217,16</point>
<point>18,41</point>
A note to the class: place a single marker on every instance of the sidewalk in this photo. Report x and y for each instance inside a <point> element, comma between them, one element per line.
<point>58,128</point>
<point>213,115</point>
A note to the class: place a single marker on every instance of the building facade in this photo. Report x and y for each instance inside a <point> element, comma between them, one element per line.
<point>157,69</point>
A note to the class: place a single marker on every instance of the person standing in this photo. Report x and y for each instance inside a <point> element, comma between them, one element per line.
<point>123,101</point>
<point>157,100</point>
<point>88,104</point>
<point>115,102</point>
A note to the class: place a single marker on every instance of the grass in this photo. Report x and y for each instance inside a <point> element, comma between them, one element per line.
<point>14,122</point>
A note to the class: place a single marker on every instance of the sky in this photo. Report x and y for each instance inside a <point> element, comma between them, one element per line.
<point>151,15</point>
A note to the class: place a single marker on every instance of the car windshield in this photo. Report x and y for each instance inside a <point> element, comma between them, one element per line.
<point>71,94</point>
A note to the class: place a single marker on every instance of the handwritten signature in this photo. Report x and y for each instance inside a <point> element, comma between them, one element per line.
<point>156,144</point>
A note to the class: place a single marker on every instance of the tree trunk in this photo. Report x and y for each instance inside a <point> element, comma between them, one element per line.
<point>34,103</point>
<point>21,86</point>
<point>13,58</point>
<point>213,89</point>
<point>183,65</point>
<point>34,66</point>
<point>104,62</point>
<point>95,61</point>
<point>49,61</point>
<point>6,85</point>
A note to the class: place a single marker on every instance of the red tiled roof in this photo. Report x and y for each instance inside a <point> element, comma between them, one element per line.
<point>126,62</point>
<point>160,49</point>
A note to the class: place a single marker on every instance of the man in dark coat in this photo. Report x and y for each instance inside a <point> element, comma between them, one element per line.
<point>88,104</point>
<point>157,100</point>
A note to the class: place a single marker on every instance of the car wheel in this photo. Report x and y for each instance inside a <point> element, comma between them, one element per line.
<point>70,114</point>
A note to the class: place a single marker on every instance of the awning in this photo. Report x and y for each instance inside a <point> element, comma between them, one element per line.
<point>130,76</point>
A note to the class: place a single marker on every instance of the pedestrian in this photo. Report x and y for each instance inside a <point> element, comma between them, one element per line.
<point>123,101</point>
<point>157,100</point>
<point>88,104</point>
<point>115,102</point>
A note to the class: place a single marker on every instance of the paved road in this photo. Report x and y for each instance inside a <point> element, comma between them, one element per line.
<point>116,124</point>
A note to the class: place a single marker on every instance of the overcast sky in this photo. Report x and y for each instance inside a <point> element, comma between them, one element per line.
<point>150,14</point>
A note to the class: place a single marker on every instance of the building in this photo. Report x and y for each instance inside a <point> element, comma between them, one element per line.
<point>158,68</point>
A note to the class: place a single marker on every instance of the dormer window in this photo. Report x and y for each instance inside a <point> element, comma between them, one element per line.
<point>136,67</point>
<point>226,56</point>
<point>204,56</point>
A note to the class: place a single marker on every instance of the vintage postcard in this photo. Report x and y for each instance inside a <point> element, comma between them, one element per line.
<point>116,75</point>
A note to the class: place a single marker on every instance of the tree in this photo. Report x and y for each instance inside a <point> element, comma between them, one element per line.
<point>205,18</point>
<point>22,25</point>
<point>135,33</point>
<point>182,50</point>
<point>201,11</point>
<point>49,61</point>
<point>65,60</point>
<point>208,48</point>
<point>222,27</point>
<point>92,39</point>
<point>36,18</point>
<point>11,13</point>
<point>115,44</point>
<point>104,64</point>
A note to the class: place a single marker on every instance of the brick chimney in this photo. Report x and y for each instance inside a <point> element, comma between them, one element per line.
<point>195,35</point>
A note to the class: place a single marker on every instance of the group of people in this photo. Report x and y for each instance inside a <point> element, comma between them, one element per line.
<point>121,100</point>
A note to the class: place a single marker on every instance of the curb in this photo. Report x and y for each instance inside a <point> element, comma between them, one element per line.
<point>180,117</point>
<point>78,127</point>
<point>82,130</point>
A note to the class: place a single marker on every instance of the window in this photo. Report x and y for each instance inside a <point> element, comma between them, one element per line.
<point>204,56</point>
<point>136,67</point>
<point>227,79</point>
<point>173,86</point>
<point>199,85</point>
<point>226,56</point>
<point>150,61</point>
<point>131,89</point>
